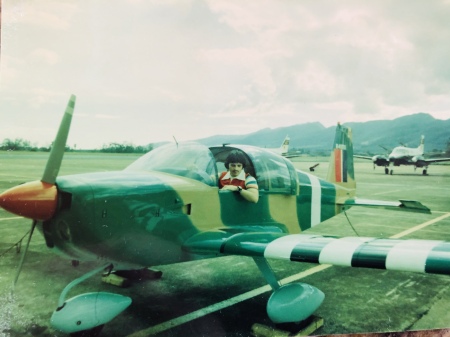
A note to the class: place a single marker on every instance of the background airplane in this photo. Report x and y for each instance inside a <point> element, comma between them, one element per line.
<point>166,208</point>
<point>402,155</point>
<point>283,150</point>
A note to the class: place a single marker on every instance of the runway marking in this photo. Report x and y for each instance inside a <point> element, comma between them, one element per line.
<point>12,218</point>
<point>253,293</point>
<point>416,228</point>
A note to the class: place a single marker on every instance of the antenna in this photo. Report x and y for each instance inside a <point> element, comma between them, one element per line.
<point>175,141</point>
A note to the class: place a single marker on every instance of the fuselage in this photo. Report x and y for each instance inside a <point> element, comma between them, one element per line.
<point>406,156</point>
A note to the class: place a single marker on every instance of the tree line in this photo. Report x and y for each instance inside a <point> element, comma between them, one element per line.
<point>20,144</point>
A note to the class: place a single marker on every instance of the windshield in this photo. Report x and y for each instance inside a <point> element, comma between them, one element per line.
<point>189,160</point>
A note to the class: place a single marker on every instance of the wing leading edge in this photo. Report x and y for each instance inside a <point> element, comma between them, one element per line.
<point>424,256</point>
<point>436,160</point>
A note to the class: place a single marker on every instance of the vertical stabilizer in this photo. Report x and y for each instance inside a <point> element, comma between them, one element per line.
<point>421,147</point>
<point>341,170</point>
<point>285,145</point>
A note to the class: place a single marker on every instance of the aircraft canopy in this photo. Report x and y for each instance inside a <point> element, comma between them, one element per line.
<point>191,160</point>
<point>196,161</point>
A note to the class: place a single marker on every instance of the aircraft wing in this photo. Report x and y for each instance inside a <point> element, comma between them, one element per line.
<point>362,157</point>
<point>436,160</point>
<point>401,205</point>
<point>425,256</point>
<point>291,155</point>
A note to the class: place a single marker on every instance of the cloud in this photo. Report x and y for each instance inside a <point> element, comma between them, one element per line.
<point>149,69</point>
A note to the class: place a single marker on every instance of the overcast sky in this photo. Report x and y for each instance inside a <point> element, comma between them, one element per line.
<point>145,71</point>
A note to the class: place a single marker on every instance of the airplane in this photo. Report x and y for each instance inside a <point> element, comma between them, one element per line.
<point>283,150</point>
<point>166,208</point>
<point>402,155</point>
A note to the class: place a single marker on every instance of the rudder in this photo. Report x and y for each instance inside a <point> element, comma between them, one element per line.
<point>341,169</point>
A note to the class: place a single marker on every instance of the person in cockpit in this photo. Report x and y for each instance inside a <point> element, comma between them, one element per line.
<point>236,179</point>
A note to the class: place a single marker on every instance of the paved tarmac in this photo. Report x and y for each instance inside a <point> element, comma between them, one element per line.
<point>226,296</point>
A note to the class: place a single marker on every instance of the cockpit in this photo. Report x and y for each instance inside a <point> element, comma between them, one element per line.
<point>196,161</point>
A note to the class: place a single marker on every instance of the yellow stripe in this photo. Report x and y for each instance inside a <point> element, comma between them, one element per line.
<point>411,230</point>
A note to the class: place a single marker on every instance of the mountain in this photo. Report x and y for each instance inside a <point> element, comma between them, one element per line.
<point>368,137</point>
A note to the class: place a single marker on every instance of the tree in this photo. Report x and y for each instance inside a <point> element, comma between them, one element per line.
<point>17,144</point>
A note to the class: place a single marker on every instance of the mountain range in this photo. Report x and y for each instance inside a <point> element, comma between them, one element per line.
<point>368,137</point>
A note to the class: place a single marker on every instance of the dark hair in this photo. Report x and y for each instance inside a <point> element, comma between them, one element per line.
<point>235,157</point>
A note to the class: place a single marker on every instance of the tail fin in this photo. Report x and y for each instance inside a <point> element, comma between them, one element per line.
<point>285,146</point>
<point>421,147</point>
<point>341,170</point>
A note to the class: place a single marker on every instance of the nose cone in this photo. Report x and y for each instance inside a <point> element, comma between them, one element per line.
<point>36,200</point>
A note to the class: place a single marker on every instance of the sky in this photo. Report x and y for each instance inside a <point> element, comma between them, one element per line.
<point>147,71</point>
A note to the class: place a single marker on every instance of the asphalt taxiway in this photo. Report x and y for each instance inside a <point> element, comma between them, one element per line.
<point>226,296</point>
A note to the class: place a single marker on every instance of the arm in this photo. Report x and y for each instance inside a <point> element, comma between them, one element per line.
<point>250,194</point>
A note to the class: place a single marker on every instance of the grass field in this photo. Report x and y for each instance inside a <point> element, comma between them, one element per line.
<point>357,300</point>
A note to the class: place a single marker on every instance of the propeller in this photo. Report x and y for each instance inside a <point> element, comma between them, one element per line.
<point>38,200</point>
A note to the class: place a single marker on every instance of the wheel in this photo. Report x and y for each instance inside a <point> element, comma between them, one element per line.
<point>386,170</point>
<point>392,172</point>
<point>424,172</point>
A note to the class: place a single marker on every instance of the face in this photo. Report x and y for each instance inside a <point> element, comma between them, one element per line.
<point>235,169</point>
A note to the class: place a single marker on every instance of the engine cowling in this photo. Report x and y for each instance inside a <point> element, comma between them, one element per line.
<point>380,160</point>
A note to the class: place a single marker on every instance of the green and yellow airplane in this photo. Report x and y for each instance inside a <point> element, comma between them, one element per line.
<point>167,208</point>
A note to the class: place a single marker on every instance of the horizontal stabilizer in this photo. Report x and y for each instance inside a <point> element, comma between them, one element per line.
<point>362,157</point>
<point>424,256</point>
<point>402,205</point>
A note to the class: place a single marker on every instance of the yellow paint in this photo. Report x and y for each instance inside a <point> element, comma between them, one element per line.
<point>283,209</point>
<point>204,204</point>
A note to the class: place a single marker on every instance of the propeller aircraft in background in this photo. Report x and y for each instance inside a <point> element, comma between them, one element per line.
<point>402,155</point>
<point>166,208</point>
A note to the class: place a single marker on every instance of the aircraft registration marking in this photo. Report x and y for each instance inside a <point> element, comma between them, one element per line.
<point>316,196</point>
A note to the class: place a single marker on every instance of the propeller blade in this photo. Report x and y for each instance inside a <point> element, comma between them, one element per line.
<point>59,145</point>
<point>22,259</point>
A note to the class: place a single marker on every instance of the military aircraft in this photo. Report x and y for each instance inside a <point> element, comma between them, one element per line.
<point>402,155</point>
<point>166,208</point>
